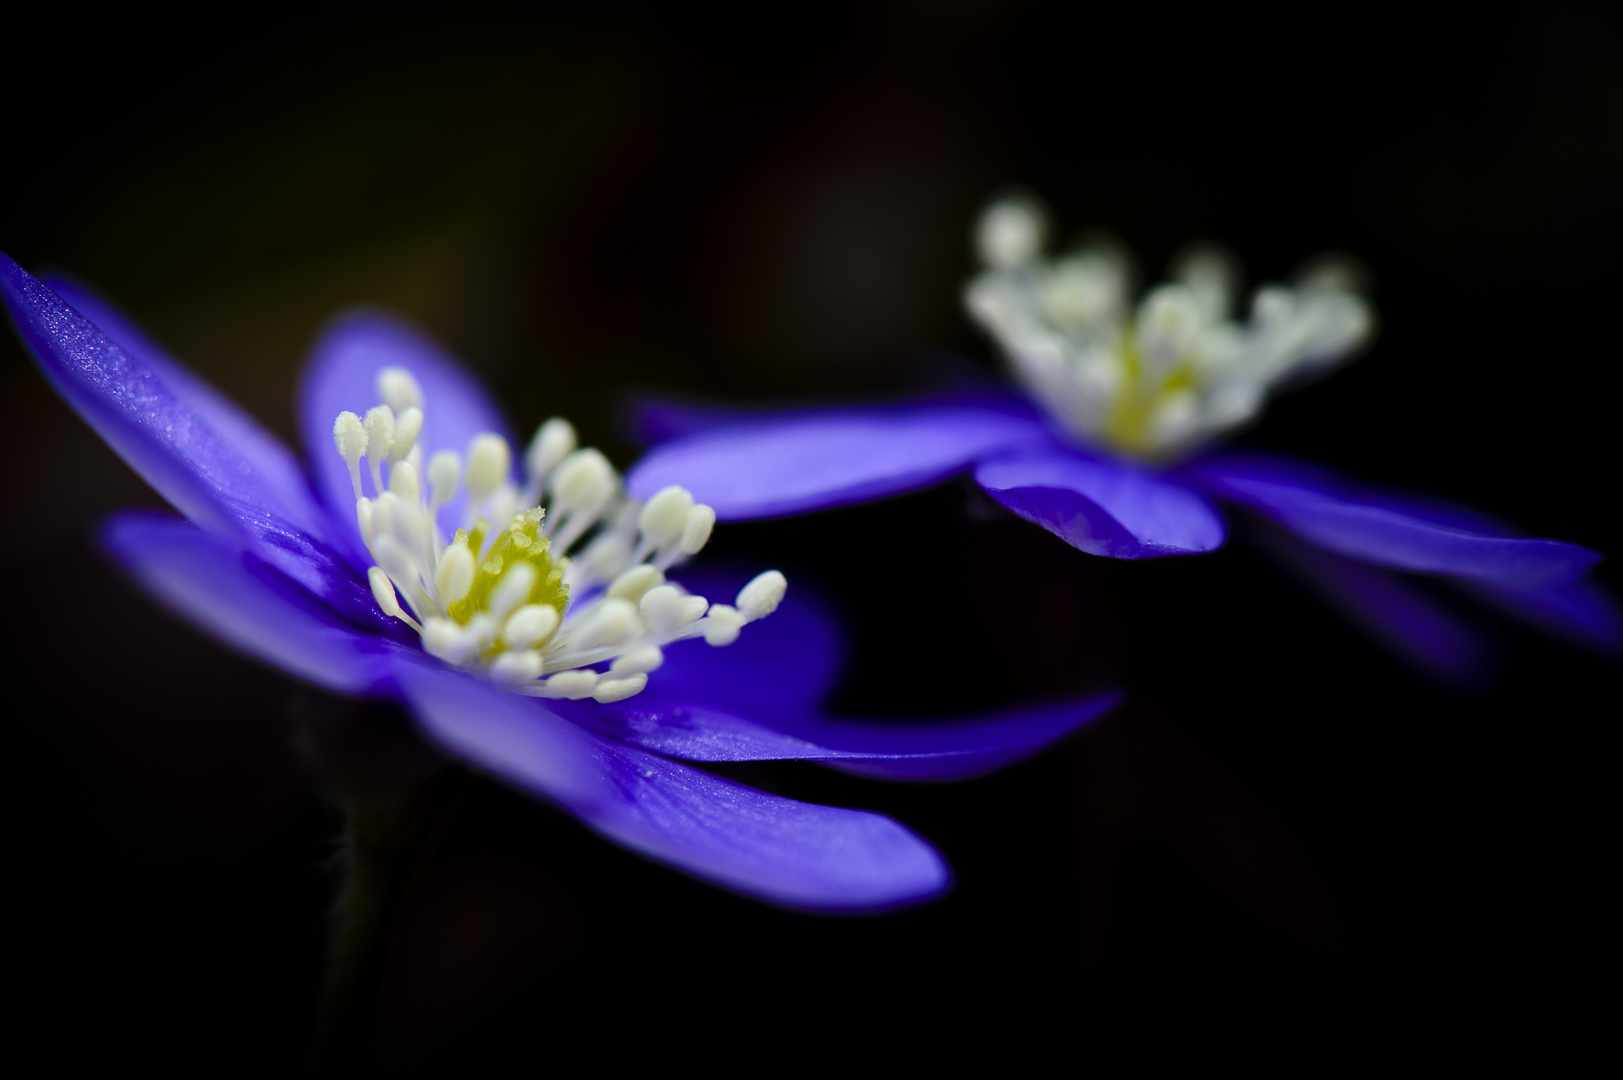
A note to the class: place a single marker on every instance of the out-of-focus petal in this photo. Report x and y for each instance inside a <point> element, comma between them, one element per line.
<point>271,460</point>
<point>892,750</point>
<point>1580,612</point>
<point>244,603</point>
<point>791,853</point>
<point>790,659</point>
<point>342,375</point>
<point>157,431</point>
<point>655,419</point>
<point>1103,507</point>
<point>816,460</point>
<point>1401,618</point>
<point>1402,532</point>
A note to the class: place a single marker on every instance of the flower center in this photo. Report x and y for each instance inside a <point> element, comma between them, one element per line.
<point>509,599</point>
<point>1158,381</point>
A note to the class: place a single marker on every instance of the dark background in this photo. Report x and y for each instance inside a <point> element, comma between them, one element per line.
<point>1287,835</point>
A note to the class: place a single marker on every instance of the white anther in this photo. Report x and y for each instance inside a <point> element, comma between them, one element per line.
<point>410,525</point>
<point>454,575</point>
<point>349,435</point>
<point>641,659</point>
<point>383,593</point>
<point>722,625</point>
<point>444,470</point>
<point>1011,232</point>
<point>403,482</point>
<point>665,516</point>
<point>611,690</point>
<point>614,622</point>
<point>553,441</point>
<point>407,426</point>
<point>530,625</point>
<point>363,518</point>
<point>584,481</point>
<point>383,514</point>
<point>489,461</point>
<point>394,558</point>
<point>666,609</point>
<point>516,668</point>
<point>701,519</point>
<point>446,640</point>
<point>513,589</point>
<point>572,684</point>
<point>1211,275</point>
<point>604,558</point>
<point>762,595</point>
<point>634,582</point>
<point>379,424</point>
<point>399,389</point>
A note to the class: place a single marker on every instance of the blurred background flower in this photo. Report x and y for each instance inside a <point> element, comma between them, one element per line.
<point>1284,832</point>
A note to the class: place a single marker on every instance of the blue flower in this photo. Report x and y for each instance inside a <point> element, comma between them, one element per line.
<point>1111,446</point>
<point>523,649</point>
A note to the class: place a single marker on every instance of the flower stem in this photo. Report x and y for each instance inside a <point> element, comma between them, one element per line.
<point>386,845</point>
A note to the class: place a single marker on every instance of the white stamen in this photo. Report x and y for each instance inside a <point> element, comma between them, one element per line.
<point>399,389</point>
<point>513,589</point>
<point>614,622</point>
<point>446,640</point>
<point>664,517</point>
<point>444,469</point>
<point>553,441</point>
<point>529,626</point>
<point>455,573</point>
<point>572,684</point>
<point>349,434</point>
<point>584,481</point>
<point>1010,233</point>
<point>489,461</point>
<point>407,426</point>
<point>624,610</point>
<point>611,690</point>
<point>701,519</point>
<point>403,482</point>
<point>363,518</point>
<point>722,625</point>
<point>516,668</point>
<point>1159,380</point>
<point>634,582</point>
<point>395,560</point>
<point>383,593</point>
<point>641,659</point>
<point>762,595</point>
<point>379,424</point>
<point>666,609</point>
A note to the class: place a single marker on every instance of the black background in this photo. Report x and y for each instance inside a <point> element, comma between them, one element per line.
<point>1286,838</point>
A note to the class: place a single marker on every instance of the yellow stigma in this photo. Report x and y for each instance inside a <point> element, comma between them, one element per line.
<point>1127,426</point>
<point>522,542</point>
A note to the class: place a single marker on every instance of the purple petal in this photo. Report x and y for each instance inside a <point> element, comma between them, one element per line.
<point>817,460</point>
<point>1402,532</point>
<point>156,429</point>
<point>244,603</point>
<point>342,375</point>
<point>791,658</point>
<point>271,460</point>
<point>895,750</point>
<point>1579,612</point>
<point>1103,507</point>
<point>779,850</point>
<point>652,419</point>
<point>1402,619</point>
<point>657,420</point>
